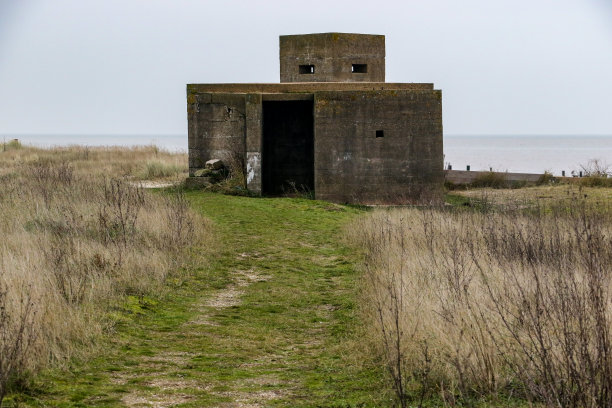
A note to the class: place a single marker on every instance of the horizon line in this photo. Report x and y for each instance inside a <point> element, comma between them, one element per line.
<point>185,134</point>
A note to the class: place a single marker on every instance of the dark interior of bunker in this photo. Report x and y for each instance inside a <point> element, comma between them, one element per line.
<point>288,147</point>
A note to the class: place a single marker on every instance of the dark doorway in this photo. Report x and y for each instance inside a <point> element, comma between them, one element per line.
<point>288,147</point>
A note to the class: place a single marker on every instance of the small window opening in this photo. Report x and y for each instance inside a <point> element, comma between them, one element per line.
<point>359,68</point>
<point>307,69</point>
<point>380,133</point>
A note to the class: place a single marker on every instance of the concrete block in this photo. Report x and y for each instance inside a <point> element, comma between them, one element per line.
<point>214,164</point>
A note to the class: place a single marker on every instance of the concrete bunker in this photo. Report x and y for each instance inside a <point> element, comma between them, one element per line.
<point>332,126</point>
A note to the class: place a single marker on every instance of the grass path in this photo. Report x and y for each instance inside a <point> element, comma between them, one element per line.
<point>269,321</point>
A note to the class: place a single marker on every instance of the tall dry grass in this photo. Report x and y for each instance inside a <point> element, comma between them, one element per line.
<point>138,162</point>
<point>75,236</point>
<point>464,305</point>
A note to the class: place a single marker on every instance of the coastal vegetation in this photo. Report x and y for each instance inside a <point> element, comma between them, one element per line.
<point>506,298</point>
<point>253,304</point>
<point>116,295</point>
<point>133,163</point>
<point>80,239</point>
<point>267,318</point>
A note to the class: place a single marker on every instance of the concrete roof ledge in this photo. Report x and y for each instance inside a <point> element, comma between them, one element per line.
<point>307,87</point>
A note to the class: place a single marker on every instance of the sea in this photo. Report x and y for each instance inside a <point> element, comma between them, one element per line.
<point>527,154</point>
<point>522,154</point>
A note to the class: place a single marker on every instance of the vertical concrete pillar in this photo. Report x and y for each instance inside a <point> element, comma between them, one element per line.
<point>253,142</point>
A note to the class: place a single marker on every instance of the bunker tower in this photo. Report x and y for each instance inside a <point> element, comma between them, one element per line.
<point>332,126</point>
<point>332,57</point>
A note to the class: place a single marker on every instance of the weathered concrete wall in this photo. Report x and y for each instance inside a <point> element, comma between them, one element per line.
<point>352,164</point>
<point>332,55</point>
<point>216,127</point>
<point>253,136</point>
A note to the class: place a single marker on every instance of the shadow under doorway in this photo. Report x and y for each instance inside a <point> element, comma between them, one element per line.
<point>288,147</point>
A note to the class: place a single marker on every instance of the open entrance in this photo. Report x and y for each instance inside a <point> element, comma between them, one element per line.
<point>288,147</point>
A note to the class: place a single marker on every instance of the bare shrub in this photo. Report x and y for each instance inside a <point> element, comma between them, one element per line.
<point>491,179</point>
<point>469,304</point>
<point>235,182</point>
<point>596,174</point>
<point>555,305</point>
<point>17,333</point>
<point>596,168</point>
<point>237,167</point>
<point>181,222</point>
<point>546,178</point>
<point>50,177</point>
<point>119,211</point>
<point>71,275</point>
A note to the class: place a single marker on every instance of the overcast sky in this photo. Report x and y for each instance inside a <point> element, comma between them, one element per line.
<point>120,66</point>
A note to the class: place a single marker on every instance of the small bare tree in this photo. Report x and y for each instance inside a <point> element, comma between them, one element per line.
<point>180,222</point>
<point>119,211</point>
<point>596,168</point>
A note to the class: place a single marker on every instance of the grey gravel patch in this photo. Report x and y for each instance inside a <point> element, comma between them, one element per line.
<point>154,400</point>
<point>228,297</point>
<point>154,184</point>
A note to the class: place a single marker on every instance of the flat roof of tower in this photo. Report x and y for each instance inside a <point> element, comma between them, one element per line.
<point>333,34</point>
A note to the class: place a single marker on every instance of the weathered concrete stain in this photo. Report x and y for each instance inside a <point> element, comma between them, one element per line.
<point>253,167</point>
